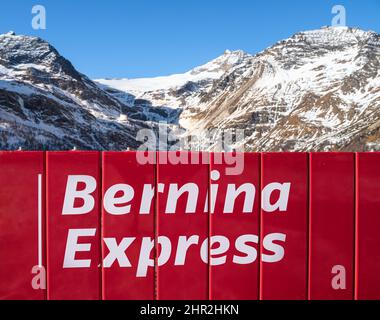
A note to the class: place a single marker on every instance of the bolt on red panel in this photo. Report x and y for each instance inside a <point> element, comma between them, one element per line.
<point>182,226</point>
<point>22,226</point>
<point>332,219</point>
<point>73,225</point>
<point>287,215</point>
<point>367,227</point>
<point>235,210</point>
<point>128,226</point>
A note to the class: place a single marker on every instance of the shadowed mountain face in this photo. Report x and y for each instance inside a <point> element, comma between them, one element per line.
<point>46,104</point>
<point>319,90</point>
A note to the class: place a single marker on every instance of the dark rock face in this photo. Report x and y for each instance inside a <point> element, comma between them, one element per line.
<point>45,104</point>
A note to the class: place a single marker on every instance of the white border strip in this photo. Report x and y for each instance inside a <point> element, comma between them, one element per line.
<point>40,220</point>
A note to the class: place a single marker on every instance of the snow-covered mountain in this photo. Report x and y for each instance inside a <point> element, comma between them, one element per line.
<point>46,104</point>
<point>318,90</point>
<point>163,90</point>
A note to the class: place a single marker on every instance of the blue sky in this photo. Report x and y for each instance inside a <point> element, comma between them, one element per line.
<point>137,38</point>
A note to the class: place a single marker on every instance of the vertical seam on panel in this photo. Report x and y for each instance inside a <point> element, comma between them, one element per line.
<point>44,192</point>
<point>100,194</point>
<point>308,225</point>
<point>356,224</point>
<point>309,228</point>
<point>260,226</point>
<point>47,225</point>
<point>155,227</point>
<point>209,284</point>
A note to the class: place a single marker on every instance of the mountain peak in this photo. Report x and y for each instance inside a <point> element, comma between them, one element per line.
<point>21,49</point>
<point>305,46</point>
<point>27,51</point>
<point>336,36</point>
<point>228,52</point>
<point>223,63</point>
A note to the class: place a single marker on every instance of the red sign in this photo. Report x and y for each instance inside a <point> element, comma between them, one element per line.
<point>22,226</point>
<point>284,222</point>
<point>332,219</point>
<point>367,226</point>
<point>180,225</point>
<point>235,211</point>
<point>73,225</point>
<point>128,227</point>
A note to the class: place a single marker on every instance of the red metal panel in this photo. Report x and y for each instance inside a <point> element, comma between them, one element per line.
<point>120,277</point>
<point>332,217</point>
<point>235,278</point>
<point>287,278</point>
<point>182,276</point>
<point>367,227</point>
<point>74,271</point>
<point>22,216</point>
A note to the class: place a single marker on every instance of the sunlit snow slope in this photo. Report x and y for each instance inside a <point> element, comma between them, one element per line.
<point>318,90</point>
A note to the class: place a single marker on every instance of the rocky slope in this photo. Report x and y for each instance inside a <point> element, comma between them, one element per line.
<point>46,104</point>
<point>318,90</point>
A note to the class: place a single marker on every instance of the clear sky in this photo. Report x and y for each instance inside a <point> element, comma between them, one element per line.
<point>138,38</point>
